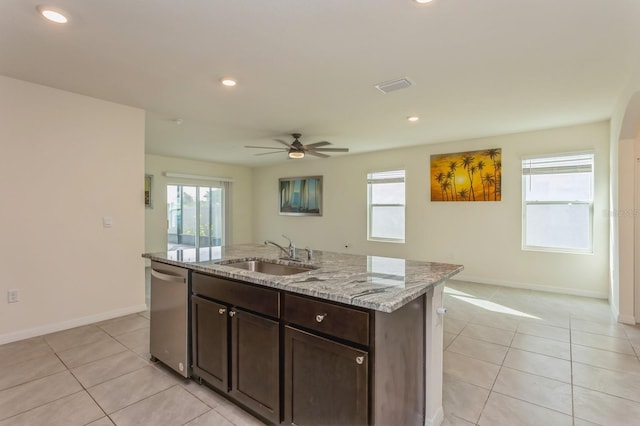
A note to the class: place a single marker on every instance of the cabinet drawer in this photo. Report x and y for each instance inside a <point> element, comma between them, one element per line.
<point>261,300</point>
<point>335,320</point>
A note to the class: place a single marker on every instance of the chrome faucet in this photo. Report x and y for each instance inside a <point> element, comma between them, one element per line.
<point>290,251</point>
<point>309,253</point>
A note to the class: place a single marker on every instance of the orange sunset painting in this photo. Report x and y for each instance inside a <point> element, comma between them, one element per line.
<point>467,176</point>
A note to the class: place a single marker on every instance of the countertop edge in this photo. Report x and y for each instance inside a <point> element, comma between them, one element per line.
<point>222,271</point>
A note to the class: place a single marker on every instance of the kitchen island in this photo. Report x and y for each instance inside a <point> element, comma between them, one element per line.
<point>344,339</point>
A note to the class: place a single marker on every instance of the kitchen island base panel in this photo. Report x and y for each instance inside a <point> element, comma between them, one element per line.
<point>433,332</point>
<point>399,361</point>
<point>405,360</point>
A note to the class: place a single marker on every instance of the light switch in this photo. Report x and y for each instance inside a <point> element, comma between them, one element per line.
<point>107,221</point>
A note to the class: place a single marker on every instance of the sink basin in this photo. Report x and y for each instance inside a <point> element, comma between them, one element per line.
<point>269,267</point>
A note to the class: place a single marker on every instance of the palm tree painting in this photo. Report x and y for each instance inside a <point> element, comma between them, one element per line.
<point>467,176</point>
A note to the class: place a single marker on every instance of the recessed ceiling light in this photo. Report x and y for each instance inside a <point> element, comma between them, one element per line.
<point>423,1</point>
<point>53,15</point>
<point>229,82</point>
<point>413,118</point>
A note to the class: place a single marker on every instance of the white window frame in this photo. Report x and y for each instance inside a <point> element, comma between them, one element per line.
<point>371,180</point>
<point>588,202</point>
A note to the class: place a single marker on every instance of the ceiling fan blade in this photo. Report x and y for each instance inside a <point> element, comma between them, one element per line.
<point>267,153</point>
<point>330,149</point>
<point>317,144</point>
<point>266,147</point>
<point>317,154</point>
<point>288,145</point>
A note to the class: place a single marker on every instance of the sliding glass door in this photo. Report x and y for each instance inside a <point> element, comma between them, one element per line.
<point>195,215</point>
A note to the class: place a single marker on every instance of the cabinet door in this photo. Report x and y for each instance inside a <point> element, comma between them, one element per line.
<point>209,338</point>
<point>325,382</point>
<point>255,363</point>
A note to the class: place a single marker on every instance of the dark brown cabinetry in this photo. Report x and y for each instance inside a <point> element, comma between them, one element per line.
<point>326,368</point>
<point>255,363</point>
<point>298,360</point>
<point>326,383</point>
<point>236,346</point>
<point>209,339</point>
<point>332,319</point>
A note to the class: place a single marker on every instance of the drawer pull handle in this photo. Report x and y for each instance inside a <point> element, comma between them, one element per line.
<point>320,317</point>
<point>232,313</point>
<point>359,360</point>
<point>222,311</point>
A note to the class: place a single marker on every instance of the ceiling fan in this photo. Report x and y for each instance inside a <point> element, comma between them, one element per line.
<point>297,150</point>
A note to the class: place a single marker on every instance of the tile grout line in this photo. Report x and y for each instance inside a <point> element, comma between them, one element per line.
<point>533,403</point>
<point>484,406</point>
<point>84,389</point>
<point>573,408</point>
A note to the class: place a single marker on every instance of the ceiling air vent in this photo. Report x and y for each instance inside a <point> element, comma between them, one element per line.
<point>393,85</point>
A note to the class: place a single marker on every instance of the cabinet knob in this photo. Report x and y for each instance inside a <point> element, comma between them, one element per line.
<point>359,360</point>
<point>232,313</point>
<point>320,317</point>
<point>222,311</point>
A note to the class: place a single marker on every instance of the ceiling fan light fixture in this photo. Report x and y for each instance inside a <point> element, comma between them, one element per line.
<point>296,154</point>
<point>53,15</point>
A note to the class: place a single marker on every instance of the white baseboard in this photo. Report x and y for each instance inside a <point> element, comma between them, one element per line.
<point>65,325</point>
<point>531,286</point>
<point>437,418</point>
<point>614,310</point>
<point>626,319</point>
<point>623,319</point>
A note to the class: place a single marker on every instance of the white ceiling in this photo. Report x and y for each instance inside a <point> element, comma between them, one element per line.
<point>480,67</point>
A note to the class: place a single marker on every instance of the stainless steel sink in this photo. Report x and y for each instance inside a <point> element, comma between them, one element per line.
<point>269,267</point>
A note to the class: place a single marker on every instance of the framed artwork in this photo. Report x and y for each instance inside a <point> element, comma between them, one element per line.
<point>467,176</point>
<point>300,196</point>
<point>148,195</point>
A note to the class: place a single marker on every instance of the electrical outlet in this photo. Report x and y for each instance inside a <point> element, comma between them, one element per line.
<point>13,296</point>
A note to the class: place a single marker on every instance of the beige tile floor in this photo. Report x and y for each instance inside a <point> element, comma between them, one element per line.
<point>512,357</point>
<point>520,357</point>
<point>101,375</point>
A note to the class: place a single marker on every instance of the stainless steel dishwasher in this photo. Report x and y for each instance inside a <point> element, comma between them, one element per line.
<point>169,328</point>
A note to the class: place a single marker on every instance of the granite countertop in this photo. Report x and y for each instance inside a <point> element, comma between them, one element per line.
<point>379,283</point>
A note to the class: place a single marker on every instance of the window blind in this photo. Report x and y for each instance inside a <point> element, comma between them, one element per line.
<point>392,176</point>
<point>582,163</point>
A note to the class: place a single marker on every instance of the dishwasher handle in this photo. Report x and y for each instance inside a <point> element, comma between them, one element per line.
<point>167,277</point>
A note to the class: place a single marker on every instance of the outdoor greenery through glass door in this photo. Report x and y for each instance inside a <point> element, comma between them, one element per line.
<point>195,215</point>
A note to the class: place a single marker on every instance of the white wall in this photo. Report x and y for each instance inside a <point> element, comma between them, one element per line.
<point>241,196</point>
<point>66,162</point>
<point>483,236</point>
<point>625,217</point>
